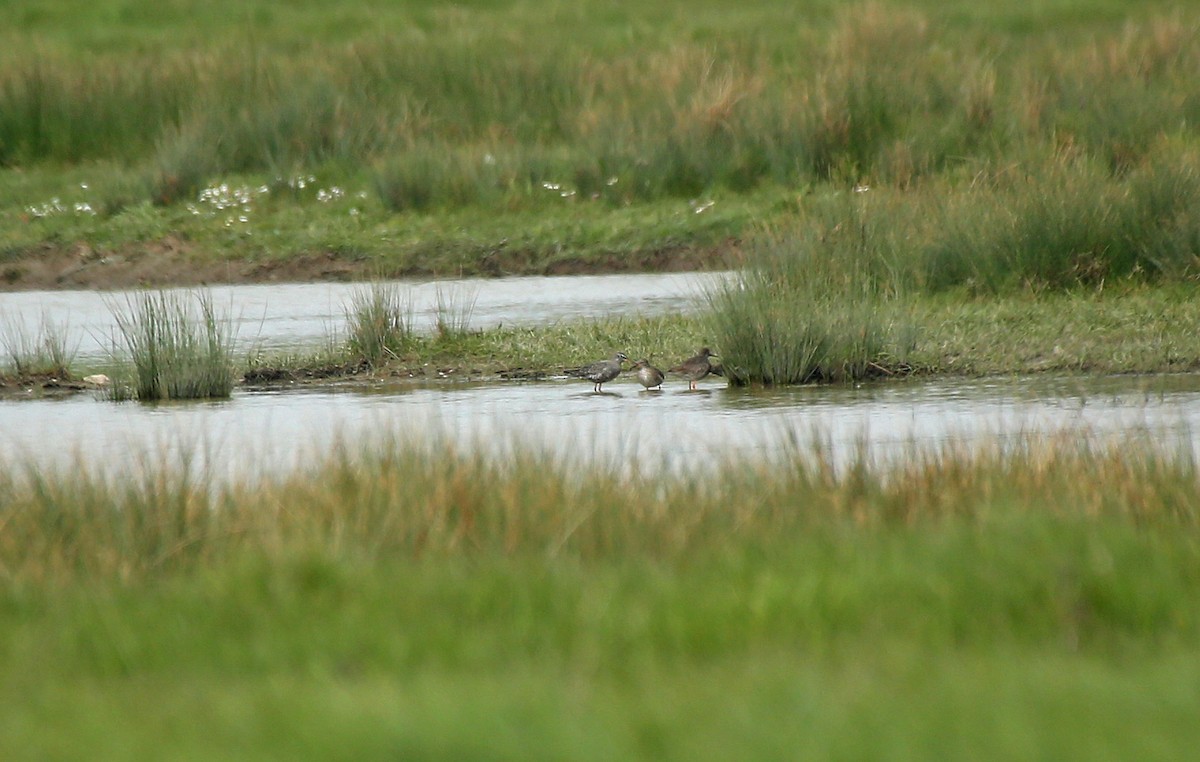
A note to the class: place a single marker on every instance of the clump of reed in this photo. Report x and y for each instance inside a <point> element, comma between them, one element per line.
<point>435,175</point>
<point>182,165</point>
<point>1062,223</point>
<point>178,345</point>
<point>379,321</point>
<point>813,302</point>
<point>41,351</point>
<point>452,311</point>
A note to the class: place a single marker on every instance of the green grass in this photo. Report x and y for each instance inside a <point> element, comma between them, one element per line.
<point>338,228</point>
<point>852,161</point>
<point>378,323</point>
<point>177,345</point>
<point>1046,144</point>
<point>1030,171</point>
<point>414,599</point>
<point>846,92</point>
<point>809,305</point>
<point>44,351</point>
<point>1116,330</point>
<point>455,305</point>
<point>1122,328</point>
<point>827,294</point>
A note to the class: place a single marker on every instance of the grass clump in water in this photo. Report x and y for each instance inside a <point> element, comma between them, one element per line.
<point>179,347</point>
<point>40,352</point>
<point>379,322</point>
<point>455,305</point>
<point>811,304</point>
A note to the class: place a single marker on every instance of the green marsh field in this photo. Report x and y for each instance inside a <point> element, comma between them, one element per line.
<point>258,140</point>
<point>903,187</point>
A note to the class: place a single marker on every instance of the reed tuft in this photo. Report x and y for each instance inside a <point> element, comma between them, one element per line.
<point>178,345</point>
<point>814,301</point>
<point>452,313</point>
<point>44,351</point>
<point>380,323</point>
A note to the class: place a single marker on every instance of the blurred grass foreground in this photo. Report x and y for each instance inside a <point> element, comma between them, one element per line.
<point>413,599</point>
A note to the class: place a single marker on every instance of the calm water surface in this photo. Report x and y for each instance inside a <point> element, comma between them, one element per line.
<point>265,433</point>
<point>304,315</point>
<point>261,433</point>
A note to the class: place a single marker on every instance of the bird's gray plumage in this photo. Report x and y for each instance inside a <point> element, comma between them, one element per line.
<point>695,368</point>
<point>599,372</point>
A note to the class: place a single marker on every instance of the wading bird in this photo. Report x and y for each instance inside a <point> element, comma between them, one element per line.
<point>599,372</point>
<point>695,368</point>
<point>648,375</point>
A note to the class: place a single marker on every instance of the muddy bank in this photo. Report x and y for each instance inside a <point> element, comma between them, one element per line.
<point>42,386</point>
<point>55,386</point>
<point>174,261</point>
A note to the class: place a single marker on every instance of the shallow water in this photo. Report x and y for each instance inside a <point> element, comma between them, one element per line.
<point>304,315</point>
<point>258,433</point>
<point>264,433</point>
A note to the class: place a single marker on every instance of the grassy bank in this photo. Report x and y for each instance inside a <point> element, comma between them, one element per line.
<point>422,601</point>
<point>1121,329</point>
<point>1130,329</point>
<point>261,141</point>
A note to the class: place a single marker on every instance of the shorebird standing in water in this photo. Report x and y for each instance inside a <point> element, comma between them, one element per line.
<point>599,372</point>
<point>695,368</point>
<point>648,375</point>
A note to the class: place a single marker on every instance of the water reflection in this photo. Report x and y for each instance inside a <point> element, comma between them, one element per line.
<point>258,433</point>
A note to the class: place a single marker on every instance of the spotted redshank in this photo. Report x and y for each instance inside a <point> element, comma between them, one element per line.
<point>599,372</point>
<point>695,368</point>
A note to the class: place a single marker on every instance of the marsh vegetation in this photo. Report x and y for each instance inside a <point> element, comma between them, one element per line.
<point>30,351</point>
<point>924,186</point>
<point>178,346</point>
<point>532,138</point>
<point>411,571</point>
